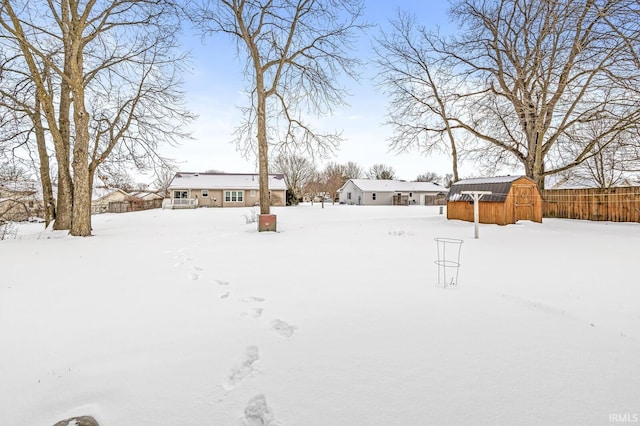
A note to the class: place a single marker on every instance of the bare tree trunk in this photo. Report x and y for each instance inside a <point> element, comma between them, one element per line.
<point>62,143</point>
<point>263,151</point>
<point>454,154</point>
<point>45,169</point>
<point>296,51</point>
<point>81,224</point>
<point>144,67</point>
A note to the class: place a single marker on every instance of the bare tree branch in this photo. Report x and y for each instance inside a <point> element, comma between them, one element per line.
<point>294,52</point>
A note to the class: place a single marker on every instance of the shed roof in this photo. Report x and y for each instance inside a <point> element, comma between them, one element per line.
<point>383,185</point>
<point>188,180</point>
<point>498,185</point>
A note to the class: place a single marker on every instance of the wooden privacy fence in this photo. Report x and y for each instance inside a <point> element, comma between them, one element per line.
<point>133,205</point>
<point>620,204</point>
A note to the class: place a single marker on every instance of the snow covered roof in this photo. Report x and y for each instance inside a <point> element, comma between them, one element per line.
<point>488,180</point>
<point>184,180</point>
<point>499,186</point>
<point>381,185</point>
<point>23,186</point>
<point>101,192</point>
<point>146,195</point>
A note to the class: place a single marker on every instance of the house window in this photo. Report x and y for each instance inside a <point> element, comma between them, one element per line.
<point>233,196</point>
<point>253,193</point>
<point>411,194</point>
<point>179,194</point>
<point>348,195</point>
<point>374,196</point>
<point>205,192</point>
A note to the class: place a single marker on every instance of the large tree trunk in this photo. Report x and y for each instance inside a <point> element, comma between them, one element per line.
<point>64,205</point>
<point>45,170</point>
<point>263,149</point>
<point>534,161</point>
<point>81,224</point>
<point>454,154</point>
<point>62,143</point>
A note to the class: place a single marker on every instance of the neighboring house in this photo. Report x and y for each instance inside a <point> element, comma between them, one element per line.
<point>367,192</point>
<point>103,196</point>
<point>222,190</point>
<point>114,200</point>
<point>146,195</point>
<point>512,198</point>
<point>20,201</point>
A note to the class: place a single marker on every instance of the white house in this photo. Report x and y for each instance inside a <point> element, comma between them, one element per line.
<point>103,196</point>
<point>222,190</point>
<point>20,200</point>
<point>369,192</point>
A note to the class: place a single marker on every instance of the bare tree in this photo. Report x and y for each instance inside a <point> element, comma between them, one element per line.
<point>114,176</point>
<point>22,127</point>
<point>333,177</point>
<point>297,171</point>
<point>12,172</point>
<point>164,176</point>
<point>314,186</point>
<point>447,180</point>
<point>381,171</point>
<point>105,81</point>
<point>612,163</point>
<point>533,75</point>
<point>421,89</point>
<point>428,177</point>
<point>352,170</point>
<point>294,51</point>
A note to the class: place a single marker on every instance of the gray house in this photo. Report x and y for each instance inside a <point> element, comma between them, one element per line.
<point>368,192</point>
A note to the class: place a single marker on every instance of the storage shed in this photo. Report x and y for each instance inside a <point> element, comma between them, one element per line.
<point>512,198</point>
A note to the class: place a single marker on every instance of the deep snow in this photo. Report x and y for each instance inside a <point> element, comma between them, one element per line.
<point>191,317</point>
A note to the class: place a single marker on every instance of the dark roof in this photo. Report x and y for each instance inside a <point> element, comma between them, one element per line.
<point>498,185</point>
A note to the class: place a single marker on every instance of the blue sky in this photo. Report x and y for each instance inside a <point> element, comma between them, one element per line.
<point>215,89</point>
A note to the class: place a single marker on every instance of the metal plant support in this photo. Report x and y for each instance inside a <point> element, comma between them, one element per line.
<point>448,261</point>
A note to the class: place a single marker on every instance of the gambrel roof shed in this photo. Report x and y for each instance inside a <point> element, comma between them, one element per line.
<point>512,198</point>
<point>498,185</point>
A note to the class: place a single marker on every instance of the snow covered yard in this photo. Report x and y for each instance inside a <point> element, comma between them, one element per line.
<point>191,317</point>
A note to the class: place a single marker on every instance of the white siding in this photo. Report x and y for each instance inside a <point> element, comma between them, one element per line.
<point>351,194</point>
<point>382,198</point>
<point>360,191</point>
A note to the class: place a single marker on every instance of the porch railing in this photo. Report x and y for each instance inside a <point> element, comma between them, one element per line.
<point>184,203</point>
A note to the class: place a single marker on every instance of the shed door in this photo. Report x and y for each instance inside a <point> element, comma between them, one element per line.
<point>523,202</point>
